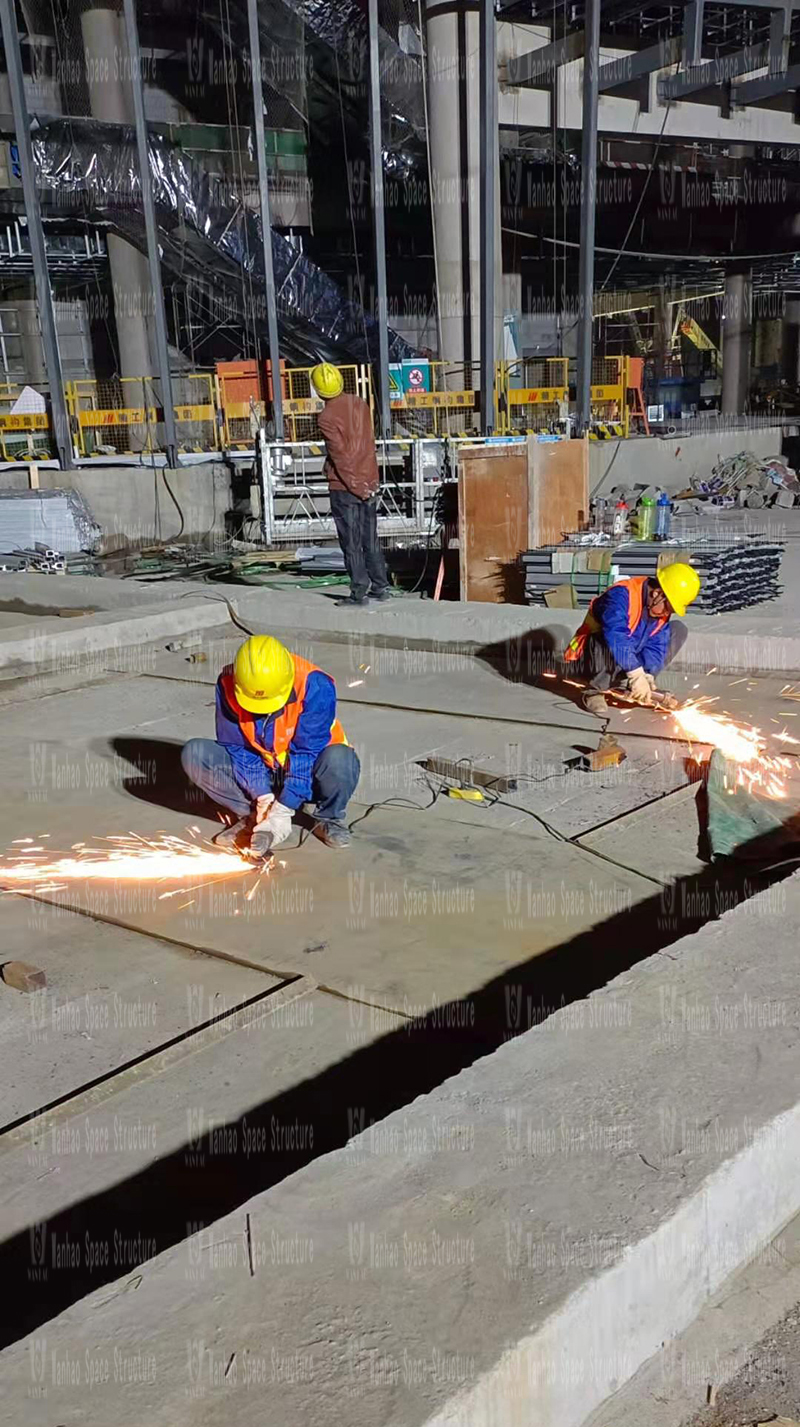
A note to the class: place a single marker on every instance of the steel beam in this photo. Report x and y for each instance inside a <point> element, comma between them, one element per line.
<point>638,64</point>
<point>752,91</point>
<point>266,221</point>
<point>588,213</point>
<point>779,33</point>
<point>151,232</point>
<point>536,69</point>
<point>488,214</point>
<point>44,295</point>
<point>378,220</point>
<point>716,72</point>
<point>693,33</point>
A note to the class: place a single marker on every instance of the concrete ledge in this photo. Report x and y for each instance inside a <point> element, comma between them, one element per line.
<point>507,1249</point>
<point>750,640</point>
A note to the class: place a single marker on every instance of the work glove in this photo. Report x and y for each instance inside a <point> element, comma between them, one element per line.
<point>273,825</point>
<point>640,686</point>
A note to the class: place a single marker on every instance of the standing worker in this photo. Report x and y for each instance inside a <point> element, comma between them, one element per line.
<point>627,637</point>
<point>279,744</point>
<point>351,465</point>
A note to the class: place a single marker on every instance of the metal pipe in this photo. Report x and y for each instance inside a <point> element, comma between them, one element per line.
<point>44,295</point>
<point>591,69</point>
<point>488,149</point>
<point>378,223</point>
<point>266,221</point>
<point>151,232</point>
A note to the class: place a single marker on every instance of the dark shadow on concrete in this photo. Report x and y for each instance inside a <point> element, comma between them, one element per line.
<point>159,777</point>
<point>211,1175</point>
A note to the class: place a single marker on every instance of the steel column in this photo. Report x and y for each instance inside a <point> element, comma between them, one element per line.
<point>266,221</point>
<point>591,66</point>
<point>151,232</point>
<point>488,146</point>
<point>47,319</point>
<point>378,223</point>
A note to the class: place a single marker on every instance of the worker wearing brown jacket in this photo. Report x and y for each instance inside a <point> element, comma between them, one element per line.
<point>351,466</point>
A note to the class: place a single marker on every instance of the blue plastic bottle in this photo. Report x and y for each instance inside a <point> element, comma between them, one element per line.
<point>663,516</point>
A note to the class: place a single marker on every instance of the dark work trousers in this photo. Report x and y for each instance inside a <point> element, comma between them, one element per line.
<point>357,528</point>
<point>208,765</point>
<point>601,669</point>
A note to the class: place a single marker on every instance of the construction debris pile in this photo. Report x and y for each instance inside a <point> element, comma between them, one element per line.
<point>241,563</point>
<point>734,574</point>
<point>741,480</point>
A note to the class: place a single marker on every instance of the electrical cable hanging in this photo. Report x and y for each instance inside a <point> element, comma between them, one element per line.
<point>424,67</point>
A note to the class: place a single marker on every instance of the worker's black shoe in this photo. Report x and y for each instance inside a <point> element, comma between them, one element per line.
<point>229,836</point>
<point>381,596</point>
<point>333,834</point>
<point>595,703</point>
<point>353,602</point>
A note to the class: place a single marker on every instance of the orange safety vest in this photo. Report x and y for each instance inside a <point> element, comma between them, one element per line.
<point>286,720</point>
<point>591,625</point>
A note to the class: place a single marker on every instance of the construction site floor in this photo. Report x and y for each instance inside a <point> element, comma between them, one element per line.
<point>193,1051</point>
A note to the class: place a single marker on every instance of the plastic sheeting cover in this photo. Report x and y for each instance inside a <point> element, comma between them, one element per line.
<point>204,231</point>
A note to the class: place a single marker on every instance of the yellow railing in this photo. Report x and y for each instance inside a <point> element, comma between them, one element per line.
<point>124,415</point>
<point>609,409</point>
<point>532,393</point>
<point>448,408</point>
<point>24,435</point>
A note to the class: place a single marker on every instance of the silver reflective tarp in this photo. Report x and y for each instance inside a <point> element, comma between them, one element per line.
<point>90,170</point>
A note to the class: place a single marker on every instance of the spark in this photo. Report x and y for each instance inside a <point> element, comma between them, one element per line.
<point>130,859</point>
<point>740,744</point>
<point>354,683</point>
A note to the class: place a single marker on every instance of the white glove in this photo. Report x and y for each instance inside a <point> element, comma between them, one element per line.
<point>273,821</point>
<point>651,679</point>
<point>640,686</point>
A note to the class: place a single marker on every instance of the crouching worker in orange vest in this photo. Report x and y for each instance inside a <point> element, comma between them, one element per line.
<point>627,637</point>
<point>279,744</point>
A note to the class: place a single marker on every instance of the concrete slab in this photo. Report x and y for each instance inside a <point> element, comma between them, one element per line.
<point>186,1131</point>
<point>509,1248</point>
<point>112,996</point>
<point>760,638</point>
<point>663,839</point>
<point>412,917</point>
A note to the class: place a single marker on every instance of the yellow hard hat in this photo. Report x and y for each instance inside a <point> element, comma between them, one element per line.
<point>327,380</point>
<point>263,674</point>
<point>681,585</point>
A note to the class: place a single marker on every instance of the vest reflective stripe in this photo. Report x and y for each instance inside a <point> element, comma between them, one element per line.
<point>286,721</point>
<point>591,624</point>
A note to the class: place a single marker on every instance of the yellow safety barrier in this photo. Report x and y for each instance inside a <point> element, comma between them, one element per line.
<point>448,408</point>
<point>195,407</point>
<point>24,435</point>
<point>128,412</point>
<point>609,409</point>
<point>532,393</point>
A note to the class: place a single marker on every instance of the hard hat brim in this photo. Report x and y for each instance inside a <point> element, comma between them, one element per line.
<point>263,706</point>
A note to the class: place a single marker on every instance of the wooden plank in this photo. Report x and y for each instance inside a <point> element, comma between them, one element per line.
<point>558,488</point>
<point>492,522</point>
